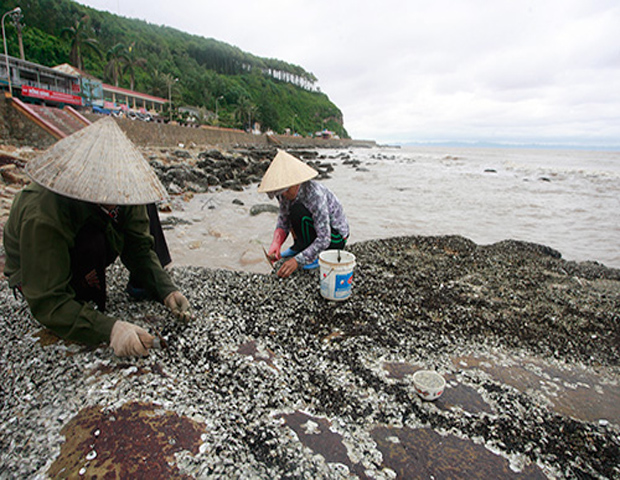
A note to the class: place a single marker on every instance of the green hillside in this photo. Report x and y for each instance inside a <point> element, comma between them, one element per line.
<point>212,75</point>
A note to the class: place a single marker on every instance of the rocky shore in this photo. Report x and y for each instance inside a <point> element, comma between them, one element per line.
<point>273,381</point>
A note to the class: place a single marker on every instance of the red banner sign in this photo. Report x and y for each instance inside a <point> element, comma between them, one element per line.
<point>50,95</point>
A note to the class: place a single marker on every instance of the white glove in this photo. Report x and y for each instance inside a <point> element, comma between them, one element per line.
<point>129,340</point>
<point>179,305</point>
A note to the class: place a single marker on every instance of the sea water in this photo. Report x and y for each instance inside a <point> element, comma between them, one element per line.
<point>568,200</point>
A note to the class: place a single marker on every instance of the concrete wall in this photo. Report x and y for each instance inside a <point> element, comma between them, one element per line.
<point>150,134</point>
<point>18,130</point>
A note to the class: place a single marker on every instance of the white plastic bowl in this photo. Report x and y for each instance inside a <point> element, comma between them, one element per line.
<point>428,384</point>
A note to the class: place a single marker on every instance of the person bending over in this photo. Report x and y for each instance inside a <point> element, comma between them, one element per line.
<point>308,210</point>
<point>87,207</point>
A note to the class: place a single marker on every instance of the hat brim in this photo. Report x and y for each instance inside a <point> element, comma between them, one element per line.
<point>285,171</point>
<point>98,164</point>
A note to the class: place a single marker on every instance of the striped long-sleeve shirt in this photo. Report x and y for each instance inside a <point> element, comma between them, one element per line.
<point>327,215</point>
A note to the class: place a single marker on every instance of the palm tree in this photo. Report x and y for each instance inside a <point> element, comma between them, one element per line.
<point>131,63</point>
<point>171,82</point>
<point>79,36</point>
<point>158,83</point>
<point>116,57</point>
<point>245,109</point>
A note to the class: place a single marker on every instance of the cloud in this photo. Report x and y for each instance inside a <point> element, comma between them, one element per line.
<point>410,70</point>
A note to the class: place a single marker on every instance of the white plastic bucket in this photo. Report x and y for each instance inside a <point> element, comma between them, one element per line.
<point>336,272</point>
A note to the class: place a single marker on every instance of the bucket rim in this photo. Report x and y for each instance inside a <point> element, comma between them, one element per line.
<point>343,262</point>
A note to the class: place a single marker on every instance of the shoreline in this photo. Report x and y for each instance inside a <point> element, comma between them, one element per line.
<point>210,220</point>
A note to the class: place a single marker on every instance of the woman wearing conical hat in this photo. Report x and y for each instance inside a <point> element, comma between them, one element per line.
<point>86,207</point>
<point>308,210</point>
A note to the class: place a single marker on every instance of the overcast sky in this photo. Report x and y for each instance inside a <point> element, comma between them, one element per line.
<point>524,71</point>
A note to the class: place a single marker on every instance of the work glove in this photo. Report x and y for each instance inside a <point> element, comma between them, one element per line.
<point>179,305</point>
<point>129,340</point>
<point>278,240</point>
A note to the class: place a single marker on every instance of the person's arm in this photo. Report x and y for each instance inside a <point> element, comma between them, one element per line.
<point>46,273</point>
<point>140,258</point>
<point>283,227</point>
<point>142,261</point>
<point>284,222</point>
<point>279,236</point>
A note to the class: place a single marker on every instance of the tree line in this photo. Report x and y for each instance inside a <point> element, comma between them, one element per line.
<point>210,75</point>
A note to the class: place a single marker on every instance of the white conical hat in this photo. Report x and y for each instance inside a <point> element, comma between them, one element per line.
<point>285,171</point>
<point>98,164</point>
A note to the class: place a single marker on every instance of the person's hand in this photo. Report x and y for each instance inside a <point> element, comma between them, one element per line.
<point>274,256</point>
<point>288,267</point>
<point>278,239</point>
<point>178,304</point>
<point>129,340</point>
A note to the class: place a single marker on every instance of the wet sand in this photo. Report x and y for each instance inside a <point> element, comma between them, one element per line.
<point>217,230</point>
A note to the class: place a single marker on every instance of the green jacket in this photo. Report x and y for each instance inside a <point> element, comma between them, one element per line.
<point>38,237</point>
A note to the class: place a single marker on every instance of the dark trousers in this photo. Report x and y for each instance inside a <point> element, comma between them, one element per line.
<point>91,256</point>
<point>304,233</point>
<point>160,246</point>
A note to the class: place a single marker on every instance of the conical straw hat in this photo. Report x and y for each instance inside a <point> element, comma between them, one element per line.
<point>97,164</point>
<point>285,171</point>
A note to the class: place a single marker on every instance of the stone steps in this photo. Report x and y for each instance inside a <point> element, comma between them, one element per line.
<point>61,119</point>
